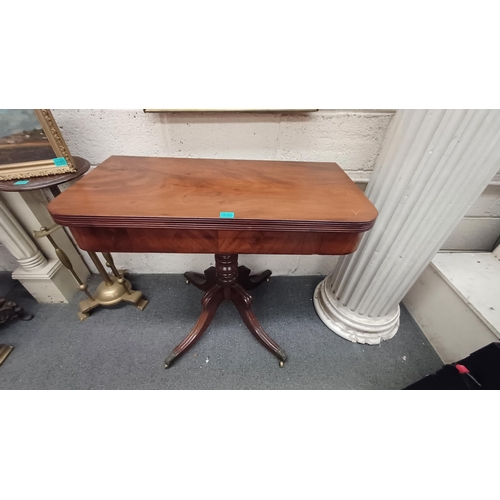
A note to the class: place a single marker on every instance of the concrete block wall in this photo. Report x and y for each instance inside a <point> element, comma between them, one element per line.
<point>352,139</point>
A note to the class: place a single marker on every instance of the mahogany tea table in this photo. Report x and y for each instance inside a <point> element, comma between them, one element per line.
<point>222,207</point>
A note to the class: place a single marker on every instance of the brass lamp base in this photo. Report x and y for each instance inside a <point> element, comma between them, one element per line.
<point>5,350</point>
<point>119,290</point>
<point>111,291</point>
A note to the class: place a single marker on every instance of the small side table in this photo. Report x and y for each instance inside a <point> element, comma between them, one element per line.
<point>113,289</point>
<point>48,182</point>
<point>8,309</point>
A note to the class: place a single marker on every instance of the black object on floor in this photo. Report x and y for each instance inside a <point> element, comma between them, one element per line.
<point>479,371</point>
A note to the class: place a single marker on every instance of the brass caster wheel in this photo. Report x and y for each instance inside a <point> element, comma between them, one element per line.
<point>282,364</point>
<point>268,279</point>
<point>187,282</point>
<point>169,359</point>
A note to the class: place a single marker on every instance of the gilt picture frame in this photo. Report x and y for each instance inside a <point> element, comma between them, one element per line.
<point>31,145</point>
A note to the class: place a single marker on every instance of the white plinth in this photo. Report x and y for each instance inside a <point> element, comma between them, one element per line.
<point>51,284</point>
<point>351,325</point>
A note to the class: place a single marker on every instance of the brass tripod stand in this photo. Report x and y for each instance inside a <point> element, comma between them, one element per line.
<point>113,290</point>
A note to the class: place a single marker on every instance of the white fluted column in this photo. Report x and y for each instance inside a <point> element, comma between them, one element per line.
<point>46,280</point>
<point>18,243</point>
<point>432,166</point>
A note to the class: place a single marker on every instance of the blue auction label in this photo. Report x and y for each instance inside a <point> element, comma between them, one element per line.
<point>20,183</point>
<point>227,215</point>
<point>60,162</point>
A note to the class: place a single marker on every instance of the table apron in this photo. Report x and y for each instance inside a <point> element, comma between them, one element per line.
<point>148,240</point>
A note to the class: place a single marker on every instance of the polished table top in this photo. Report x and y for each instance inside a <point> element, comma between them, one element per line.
<point>228,203</point>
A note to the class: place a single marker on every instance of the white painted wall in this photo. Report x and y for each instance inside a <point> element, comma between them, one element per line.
<point>352,139</point>
<point>446,319</point>
<point>480,228</point>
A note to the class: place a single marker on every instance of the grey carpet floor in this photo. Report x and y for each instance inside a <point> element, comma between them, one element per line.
<point>124,348</point>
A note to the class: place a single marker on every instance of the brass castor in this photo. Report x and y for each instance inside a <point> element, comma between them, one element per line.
<point>169,359</point>
<point>282,364</point>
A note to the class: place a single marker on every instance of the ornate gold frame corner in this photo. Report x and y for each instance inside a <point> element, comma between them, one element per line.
<point>42,168</point>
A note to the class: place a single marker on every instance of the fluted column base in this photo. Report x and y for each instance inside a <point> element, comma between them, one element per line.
<point>349,324</point>
<point>49,284</point>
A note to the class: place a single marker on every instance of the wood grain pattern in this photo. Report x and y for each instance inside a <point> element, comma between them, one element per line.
<point>138,240</point>
<point>187,193</point>
<point>172,205</point>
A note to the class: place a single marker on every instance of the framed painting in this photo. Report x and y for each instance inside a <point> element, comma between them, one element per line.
<point>31,145</point>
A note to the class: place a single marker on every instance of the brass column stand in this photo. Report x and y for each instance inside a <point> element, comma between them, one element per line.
<point>113,290</point>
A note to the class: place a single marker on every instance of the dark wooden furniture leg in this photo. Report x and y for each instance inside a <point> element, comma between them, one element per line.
<point>251,281</point>
<point>225,281</point>
<point>243,302</point>
<point>207,280</point>
<point>10,310</point>
<point>202,281</point>
<point>210,303</point>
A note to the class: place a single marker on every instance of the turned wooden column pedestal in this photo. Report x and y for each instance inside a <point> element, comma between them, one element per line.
<point>227,281</point>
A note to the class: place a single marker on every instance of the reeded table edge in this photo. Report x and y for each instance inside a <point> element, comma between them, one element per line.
<point>214,224</point>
